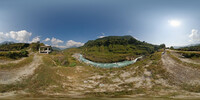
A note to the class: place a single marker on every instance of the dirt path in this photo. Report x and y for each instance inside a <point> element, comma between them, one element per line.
<point>3,62</point>
<point>187,60</point>
<point>180,73</point>
<point>11,76</point>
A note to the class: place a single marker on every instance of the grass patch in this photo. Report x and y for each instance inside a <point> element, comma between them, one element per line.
<point>156,66</point>
<point>191,88</point>
<point>22,63</point>
<point>72,64</point>
<point>45,76</point>
<point>64,58</point>
<point>118,93</point>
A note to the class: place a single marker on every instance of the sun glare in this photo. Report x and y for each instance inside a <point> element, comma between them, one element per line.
<point>174,23</point>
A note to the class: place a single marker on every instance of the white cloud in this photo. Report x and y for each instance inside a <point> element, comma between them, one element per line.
<point>194,36</point>
<point>2,36</point>
<point>55,41</point>
<point>60,46</point>
<point>101,36</point>
<point>72,43</point>
<point>47,45</point>
<point>58,43</point>
<point>35,39</point>
<point>47,39</point>
<point>19,36</point>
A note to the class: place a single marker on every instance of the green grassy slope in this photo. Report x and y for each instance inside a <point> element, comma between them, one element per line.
<point>116,48</point>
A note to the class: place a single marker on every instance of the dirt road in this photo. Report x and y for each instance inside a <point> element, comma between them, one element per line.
<point>180,73</point>
<point>183,59</point>
<point>11,76</point>
<point>4,62</point>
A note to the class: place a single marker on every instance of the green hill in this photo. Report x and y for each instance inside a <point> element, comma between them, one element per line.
<point>191,48</point>
<point>116,48</point>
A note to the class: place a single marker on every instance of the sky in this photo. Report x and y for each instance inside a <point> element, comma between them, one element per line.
<point>71,23</point>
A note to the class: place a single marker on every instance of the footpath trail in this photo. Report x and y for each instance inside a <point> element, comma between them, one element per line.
<point>14,75</point>
<point>3,62</point>
<point>180,73</point>
<point>187,60</point>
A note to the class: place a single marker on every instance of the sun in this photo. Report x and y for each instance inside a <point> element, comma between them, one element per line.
<point>174,23</point>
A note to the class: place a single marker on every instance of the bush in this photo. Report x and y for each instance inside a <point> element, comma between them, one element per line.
<point>61,60</point>
<point>72,64</point>
<point>23,53</point>
<point>13,47</point>
<point>14,55</point>
<point>191,55</point>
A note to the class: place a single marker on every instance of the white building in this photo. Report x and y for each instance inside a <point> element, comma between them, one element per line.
<point>45,49</point>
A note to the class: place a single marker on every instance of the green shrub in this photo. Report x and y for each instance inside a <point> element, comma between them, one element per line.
<point>24,53</point>
<point>72,64</point>
<point>14,54</point>
<point>61,60</point>
<point>14,47</point>
<point>190,54</point>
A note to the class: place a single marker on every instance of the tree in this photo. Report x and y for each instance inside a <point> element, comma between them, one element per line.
<point>35,46</point>
<point>172,47</point>
<point>162,46</point>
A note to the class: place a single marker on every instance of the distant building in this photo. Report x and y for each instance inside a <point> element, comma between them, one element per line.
<point>45,49</point>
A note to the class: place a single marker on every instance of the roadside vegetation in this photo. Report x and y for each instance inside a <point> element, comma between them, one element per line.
<point>189,54</point>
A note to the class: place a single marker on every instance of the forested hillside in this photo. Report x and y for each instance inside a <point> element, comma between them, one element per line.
<point>116,48</point>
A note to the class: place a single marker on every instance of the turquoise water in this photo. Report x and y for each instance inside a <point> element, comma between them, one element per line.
<point>108,65</point>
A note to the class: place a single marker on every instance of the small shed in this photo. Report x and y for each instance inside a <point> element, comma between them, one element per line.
<point>45,49</point>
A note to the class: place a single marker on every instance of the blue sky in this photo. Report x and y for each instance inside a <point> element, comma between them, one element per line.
<point>68,23</point>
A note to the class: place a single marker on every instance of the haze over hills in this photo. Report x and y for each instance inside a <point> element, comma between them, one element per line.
<point>193,47</point>
<point>7,42</point>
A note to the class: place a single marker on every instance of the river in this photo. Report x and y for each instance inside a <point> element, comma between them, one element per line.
<point>107,65</point>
